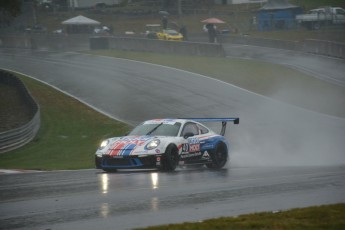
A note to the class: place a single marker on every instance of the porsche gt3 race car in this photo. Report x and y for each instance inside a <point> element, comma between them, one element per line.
<point>165,144</point>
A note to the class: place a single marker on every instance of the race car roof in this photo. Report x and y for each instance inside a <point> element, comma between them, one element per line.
<point>236,120</point>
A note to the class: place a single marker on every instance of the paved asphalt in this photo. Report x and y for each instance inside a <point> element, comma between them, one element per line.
<point>289,142</point>
<point>90,199</point>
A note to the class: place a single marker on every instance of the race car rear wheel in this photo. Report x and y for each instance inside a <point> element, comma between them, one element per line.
<point>170,159</point>
<point>219,157</point>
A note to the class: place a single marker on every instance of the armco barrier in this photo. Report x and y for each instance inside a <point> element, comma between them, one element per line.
<point>328,48</point>
<point>18,137</point>
<point>159,46</point>
<point>264,42</point>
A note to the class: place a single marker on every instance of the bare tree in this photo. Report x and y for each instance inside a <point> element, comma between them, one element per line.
<point>9,9</point>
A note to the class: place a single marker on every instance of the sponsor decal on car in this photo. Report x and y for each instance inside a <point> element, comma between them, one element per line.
<point>187,155</point>
<point>192,146</point>
<point>118,157</point>
<point>125,146</point>
<point>205,155</point>
<point>158,160</point>
<point>208,146</point>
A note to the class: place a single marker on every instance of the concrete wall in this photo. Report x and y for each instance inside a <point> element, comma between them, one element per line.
<point>239,1</point>
<point>13,41</point>
<point>160,46</point>
<point>83,42</point>
<point>54,42</point>
<point>60,42</point>
<point>90,3</point>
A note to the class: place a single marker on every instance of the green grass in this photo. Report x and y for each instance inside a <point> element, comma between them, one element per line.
<point>69,135</point>
<point>313,218</point>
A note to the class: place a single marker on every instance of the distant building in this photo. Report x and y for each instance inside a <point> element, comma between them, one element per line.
<point>91,3</point>
<point>229,2</point>
<point>277,15</point>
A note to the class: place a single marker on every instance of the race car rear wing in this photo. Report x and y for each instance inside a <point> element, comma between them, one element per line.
<point>235,120</point>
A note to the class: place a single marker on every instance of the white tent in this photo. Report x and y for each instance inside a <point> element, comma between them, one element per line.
<point>80,20</point>
<point>80,24</point>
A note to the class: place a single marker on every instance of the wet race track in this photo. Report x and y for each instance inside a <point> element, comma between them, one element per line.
<point>275,163</point>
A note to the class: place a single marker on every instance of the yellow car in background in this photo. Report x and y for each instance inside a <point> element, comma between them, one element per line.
<point>169,34</point>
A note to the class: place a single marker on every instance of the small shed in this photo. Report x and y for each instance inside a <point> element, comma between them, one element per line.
<point>277,15</point>
<point>80,24</point>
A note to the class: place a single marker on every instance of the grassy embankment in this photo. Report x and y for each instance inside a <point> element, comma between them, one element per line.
<point>323,217</point>
<point>69,134</point>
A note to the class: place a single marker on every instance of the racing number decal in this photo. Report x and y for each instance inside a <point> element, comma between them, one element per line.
<point>192,146</point>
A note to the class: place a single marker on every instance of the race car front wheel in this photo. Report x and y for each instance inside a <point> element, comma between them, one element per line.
<point>170,158</point>
<point>98,162</point>
<point>110,170</point>
<point>219,157</point>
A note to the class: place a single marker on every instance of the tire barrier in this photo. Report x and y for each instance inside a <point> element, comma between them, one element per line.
<point>17,137</point>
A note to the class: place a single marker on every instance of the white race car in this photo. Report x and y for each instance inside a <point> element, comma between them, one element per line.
<point>165,144</point>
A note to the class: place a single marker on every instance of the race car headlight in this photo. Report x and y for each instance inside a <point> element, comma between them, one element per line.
<point>152,144</point>
<point>103,144</point>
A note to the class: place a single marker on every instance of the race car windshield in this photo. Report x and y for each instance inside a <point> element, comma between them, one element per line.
<point>171,32</point>
<point>170,130</point>
<point>154,129</point>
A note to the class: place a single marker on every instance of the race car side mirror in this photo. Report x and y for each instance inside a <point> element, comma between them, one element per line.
<point>189,134</point>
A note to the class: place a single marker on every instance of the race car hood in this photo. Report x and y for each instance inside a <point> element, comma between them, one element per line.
<point>129,145</point>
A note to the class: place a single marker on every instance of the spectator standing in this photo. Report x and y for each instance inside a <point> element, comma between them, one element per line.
<point>183,31</point>
<point>165,22</point>
<point>211,33</point>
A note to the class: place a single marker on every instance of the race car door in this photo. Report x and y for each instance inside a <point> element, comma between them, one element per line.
<point>191,144</point>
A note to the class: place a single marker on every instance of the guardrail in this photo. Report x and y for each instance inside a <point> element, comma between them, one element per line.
<point>321,47</point>
<point>20,136</point>
<point>328,48</point>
